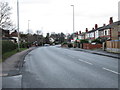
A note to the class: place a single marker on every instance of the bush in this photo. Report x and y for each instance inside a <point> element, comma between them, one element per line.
<point>8,46</point>
<point>64,43</point>
<point>84,41</point>
<point>24,45</point>
<point>70,45</point>
<point>97,41</point>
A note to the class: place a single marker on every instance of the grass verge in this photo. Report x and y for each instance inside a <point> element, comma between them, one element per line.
<point>0,60</point>
<point>8,54</point>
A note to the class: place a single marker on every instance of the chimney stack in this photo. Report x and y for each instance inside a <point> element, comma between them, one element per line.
<point>76,33</point>
<point>96,26</point>
<point>86,29</point>
<point>79,32</point>
<point>104,24</point>
<point>111,20</point>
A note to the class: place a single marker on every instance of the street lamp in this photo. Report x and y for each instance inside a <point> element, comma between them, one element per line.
<point>28,27</point>
<point>73,20</point>
<point>28,31</point>
<point>18,25</point>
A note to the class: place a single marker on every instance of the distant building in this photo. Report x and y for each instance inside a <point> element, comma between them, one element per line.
<point>5,33</point>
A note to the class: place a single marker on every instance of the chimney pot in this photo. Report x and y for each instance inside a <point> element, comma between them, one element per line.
<point>79,32</point>
<point>104,24</point>
<point>111,20</point>
<point>86,29</point>
<point>96,26</point>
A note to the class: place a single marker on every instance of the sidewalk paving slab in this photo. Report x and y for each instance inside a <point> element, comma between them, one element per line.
<point>99,52</point>
<point>12,65</point>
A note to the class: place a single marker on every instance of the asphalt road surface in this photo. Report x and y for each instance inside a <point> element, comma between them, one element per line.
<point>54,67</point>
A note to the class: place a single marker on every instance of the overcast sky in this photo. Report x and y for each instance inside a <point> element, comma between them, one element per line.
<point>56,15</point>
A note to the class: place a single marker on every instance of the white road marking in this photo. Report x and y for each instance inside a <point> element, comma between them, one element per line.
<point>85,62</point>
<point>110,70</point>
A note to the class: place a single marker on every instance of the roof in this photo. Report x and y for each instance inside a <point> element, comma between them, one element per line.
<point>94,30</point>
<point>105,27</point>
<point>82,33</point>
<point>115,23</point>
<point>6,38</point>
<point>110,25</point>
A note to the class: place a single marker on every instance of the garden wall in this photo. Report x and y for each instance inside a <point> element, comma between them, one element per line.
<point>91,46</point>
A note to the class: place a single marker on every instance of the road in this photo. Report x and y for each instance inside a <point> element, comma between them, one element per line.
<point>55,67</point>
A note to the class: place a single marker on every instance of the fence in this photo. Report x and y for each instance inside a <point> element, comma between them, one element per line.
<point>113,46</point>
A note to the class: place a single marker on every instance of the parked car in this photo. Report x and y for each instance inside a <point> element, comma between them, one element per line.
<point>46,44</point>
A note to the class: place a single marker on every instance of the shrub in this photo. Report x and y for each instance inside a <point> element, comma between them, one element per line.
<point>8,46</point>
<point>24,45</point>
<point>84,41</point>
<point>70,45</point>
<point>97,41</point>
<point>64,43</point>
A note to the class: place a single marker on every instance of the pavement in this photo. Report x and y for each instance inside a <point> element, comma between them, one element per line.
<point>13,64</point>
<point>53,67</point>
<point>98,52</point>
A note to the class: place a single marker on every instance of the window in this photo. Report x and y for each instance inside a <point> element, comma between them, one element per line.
<point>105,32</point>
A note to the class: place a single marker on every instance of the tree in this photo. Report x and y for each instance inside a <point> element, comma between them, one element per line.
<point>47,41</point>
<point>5,20</point>
<point>62,37</point>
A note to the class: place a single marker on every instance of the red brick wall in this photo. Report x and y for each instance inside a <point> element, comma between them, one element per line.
<point>91,46</point>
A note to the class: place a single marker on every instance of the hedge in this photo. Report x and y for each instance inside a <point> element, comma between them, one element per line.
<point>84,41</point>
<point>25,45</point>
<point>8,46</point>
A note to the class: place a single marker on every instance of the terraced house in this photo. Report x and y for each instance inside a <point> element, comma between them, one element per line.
<point>110,34</point>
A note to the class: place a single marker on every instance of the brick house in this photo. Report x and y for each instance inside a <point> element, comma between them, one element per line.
<point>114,44</point>
<point>86,34</point>
<point>105,31</point>
<point>81,35</point>
<point>5,33</point>
<point>110,31</point>
<point>115,30</point>
<point>14,34</point>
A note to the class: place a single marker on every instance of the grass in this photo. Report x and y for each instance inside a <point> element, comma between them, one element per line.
<point>8,54</point>
<point>0,60</point>
<point>22,49</point>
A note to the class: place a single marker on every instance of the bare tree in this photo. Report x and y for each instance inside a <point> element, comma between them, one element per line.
<point>5,20</point>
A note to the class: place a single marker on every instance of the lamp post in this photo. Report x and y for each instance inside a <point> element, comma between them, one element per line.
<point>73,20</point>
<point>18,25</point>
<point>28,27</point>
<point>28,31</point>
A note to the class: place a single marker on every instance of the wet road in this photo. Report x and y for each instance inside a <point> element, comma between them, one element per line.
<point>53,67</point>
